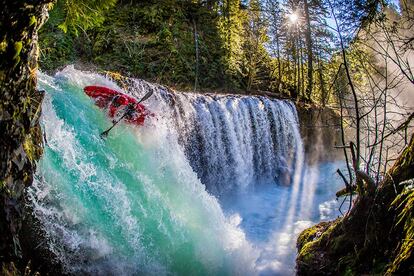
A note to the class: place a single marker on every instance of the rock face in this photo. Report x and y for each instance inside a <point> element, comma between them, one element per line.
<point>375,237</point>
<point>20,103</point>
<point>320,131</point>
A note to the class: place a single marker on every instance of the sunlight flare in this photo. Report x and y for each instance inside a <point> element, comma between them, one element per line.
<point>293,18</point>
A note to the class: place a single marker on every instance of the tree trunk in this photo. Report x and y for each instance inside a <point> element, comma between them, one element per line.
<point>324,93</point>
<point>279,69</point>
<point>308,37</point>
<point>20,141</point>
<point>197,55</point>
<point>295,70</point>
<point>302,72</point>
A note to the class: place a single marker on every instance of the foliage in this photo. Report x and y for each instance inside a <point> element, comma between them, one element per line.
<point>230,25</point>
<point>215,44</point>
<point>405,203</point>
<point>156,40</point>
<point>69,19</point>
<point>256,61</point>
<point>75,16</point>
<point>148,39</point>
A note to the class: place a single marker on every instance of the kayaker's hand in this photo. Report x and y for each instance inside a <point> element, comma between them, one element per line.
<point>131,107</point>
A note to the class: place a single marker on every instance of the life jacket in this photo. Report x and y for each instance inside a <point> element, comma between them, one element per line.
<point>120,103</point>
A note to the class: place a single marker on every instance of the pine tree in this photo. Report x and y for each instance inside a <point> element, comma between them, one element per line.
<point>277,36</point>
<point>231,28</point>
<point>255,54</point>
<point>82,15</point>
<point>321,50</point>
<point>309,43</point>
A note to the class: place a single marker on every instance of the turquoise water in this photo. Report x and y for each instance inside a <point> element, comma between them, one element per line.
<point>127,204</point>
<point>133,204</point>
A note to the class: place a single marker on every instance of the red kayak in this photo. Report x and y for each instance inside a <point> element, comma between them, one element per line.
<point>117,102</point>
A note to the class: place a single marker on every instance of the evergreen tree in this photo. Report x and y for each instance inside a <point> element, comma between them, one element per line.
<point>255,54</point>
<point>81,15</point>
<point>309,43</point>
<point>321,50</point>
<point>231,31</point>
<point>277,35</point>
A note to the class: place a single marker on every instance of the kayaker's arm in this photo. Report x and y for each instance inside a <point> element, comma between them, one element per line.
<point>130,110</point>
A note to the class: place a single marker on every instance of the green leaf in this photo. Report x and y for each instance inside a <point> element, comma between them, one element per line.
<point>63,27</point>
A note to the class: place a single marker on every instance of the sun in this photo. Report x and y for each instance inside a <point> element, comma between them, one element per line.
<point>293,17</point>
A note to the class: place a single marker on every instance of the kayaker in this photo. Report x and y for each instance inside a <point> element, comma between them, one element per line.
<point>115,103</point>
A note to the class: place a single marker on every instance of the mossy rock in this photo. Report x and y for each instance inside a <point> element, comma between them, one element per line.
<point>374,238</point>
<point>312,257</point>
<point>10,269</point>
<point>340,243</point>
<point>311,234</point>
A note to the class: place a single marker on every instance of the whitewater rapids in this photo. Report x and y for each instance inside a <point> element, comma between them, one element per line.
<point>182,195</point>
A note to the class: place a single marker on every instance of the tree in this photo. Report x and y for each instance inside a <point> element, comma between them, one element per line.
<point>231,28</point>
<point>374,106</point>
<point>75,16</point>
<point>367,80</point>
<point>275,19</point>
<point>255,55</point>
<point>309,48</point>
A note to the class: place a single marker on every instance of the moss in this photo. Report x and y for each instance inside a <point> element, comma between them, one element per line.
<point>404,257</point>
<point>307,252</point>
<point>341,243</point>
<point>346,264</point>
<point>32,145</point>
<point>32,20</point>
<point>10,269</point>
<point>17,49</point>
<point>16,61</point>
<point>318,247</point>
<point>349,272</point>
<point>328,232</point>
<point>305,236</point>
<point>17,114</point>
<point>311,234</point>
<point>375,237</point>
<point>311,243</point>
<point>29,148</point>
<point>3,46</point>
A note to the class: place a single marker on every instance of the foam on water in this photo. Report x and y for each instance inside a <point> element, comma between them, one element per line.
<point>120,206</point>
<point>211,185</point>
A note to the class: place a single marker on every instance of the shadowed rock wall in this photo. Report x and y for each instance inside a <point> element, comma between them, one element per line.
<point>20,104</point>
<point>321,132</point>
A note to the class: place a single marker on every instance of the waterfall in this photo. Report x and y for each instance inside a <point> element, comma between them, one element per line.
<point>212,184</point>
<point>233,141</point>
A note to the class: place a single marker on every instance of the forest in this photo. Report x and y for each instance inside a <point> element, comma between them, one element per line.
<point>229,72</point>
<point>292,48</point>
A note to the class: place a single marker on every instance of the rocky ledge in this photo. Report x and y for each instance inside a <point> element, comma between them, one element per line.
<point>375,237</point>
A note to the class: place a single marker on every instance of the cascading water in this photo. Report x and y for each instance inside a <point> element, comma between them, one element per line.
<point>233,142</point>
<point>211,185</point>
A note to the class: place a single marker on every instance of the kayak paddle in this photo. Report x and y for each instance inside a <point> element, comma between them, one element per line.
<point>105,133</point>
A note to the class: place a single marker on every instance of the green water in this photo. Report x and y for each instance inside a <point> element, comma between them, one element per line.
<point>128,204</point>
